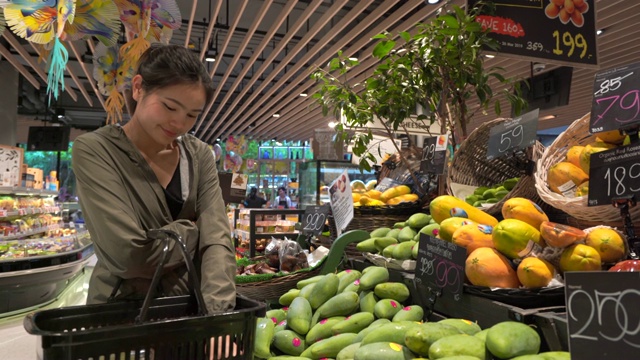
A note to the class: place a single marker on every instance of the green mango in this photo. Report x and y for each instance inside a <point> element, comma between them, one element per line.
<point>418,220</point>
<point>480,190</point>
<point>456,345</point>
<point>420,338</point>
<point>380,232</point>
<point>407,233</point>
<point>509,339</point>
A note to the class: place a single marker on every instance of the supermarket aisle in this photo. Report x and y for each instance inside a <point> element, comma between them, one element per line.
<point>16,343</point>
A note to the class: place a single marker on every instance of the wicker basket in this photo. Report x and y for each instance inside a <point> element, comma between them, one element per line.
<point>369,218</point>
<point>576,207</point>
<point>275,287</point>
<point>471,167</point>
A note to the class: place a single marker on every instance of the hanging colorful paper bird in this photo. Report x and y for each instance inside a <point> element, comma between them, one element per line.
<point>146,21</point>
<point>41,22</point>
<point>99,18</point>
<point>111,76</point>
<point>3,23</point>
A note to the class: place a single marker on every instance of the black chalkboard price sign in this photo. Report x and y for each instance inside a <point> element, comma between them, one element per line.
<point>513,135</point>
<point>440,266</point>
<point>615,173</point>
<point>616,99</point>
<point>541,29</point>
<point>603,314</point>
<point>434,153</point>
<point>314,219</point>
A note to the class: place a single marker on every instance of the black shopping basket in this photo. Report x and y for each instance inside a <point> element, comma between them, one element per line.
<point>163,328</point>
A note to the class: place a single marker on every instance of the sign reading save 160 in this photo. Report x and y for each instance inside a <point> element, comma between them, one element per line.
<point>560,30</point>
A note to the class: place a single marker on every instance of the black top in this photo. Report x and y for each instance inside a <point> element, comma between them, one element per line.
<point>254,203</point>
<point>173,193</point>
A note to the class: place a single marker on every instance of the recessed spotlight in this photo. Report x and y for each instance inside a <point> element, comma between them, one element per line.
<point>332,124</point>
<point>303,94</point>
<point>276,115</point>
<point>353,58</point>
<point>548,117</point>
<point>432,2</point>
<point>489,56</point>
<point>209,59</point>
<point>599,31</point>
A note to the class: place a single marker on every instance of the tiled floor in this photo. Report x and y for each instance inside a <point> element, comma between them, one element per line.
<point>16,343</point>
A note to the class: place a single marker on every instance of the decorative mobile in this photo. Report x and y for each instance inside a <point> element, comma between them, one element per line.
<point>111,75</point>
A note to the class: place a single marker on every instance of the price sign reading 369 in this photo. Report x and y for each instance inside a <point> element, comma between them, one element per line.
<point>615,173</point>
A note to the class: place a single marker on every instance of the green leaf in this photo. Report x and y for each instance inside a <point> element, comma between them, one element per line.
<point>450,21</point>
<point>405,36</point>
<point>383,48</point>
<point>497,107</point>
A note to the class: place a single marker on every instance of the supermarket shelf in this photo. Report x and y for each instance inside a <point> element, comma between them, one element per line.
<point>29,211</point>
<point>21,191</point>
<point>30,233</point>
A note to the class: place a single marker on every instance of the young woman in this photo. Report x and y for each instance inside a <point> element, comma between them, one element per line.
<point>150,174</point>
<point>282,201</point>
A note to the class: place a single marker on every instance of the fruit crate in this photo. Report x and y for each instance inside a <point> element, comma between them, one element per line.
<point>471,167</point>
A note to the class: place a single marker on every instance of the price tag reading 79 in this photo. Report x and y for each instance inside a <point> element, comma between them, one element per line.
<point>512,135</point>
<point>314,219</point>
<point>616,173</point>
<point>616,99</point>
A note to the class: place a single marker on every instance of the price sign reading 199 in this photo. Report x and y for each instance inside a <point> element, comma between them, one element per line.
<point>616,172</point>
<point>569,44</point>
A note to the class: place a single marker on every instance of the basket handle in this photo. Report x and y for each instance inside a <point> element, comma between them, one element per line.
<point>167,236</point>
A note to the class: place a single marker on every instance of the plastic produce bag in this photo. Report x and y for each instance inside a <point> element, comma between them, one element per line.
<point>292,256</point>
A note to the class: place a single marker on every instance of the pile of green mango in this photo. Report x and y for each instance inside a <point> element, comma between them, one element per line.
<point>355,315</point>
<point>401,242</point>
<point>491,195</point>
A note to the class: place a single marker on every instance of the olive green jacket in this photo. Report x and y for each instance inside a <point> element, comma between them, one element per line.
<point>121,199</point>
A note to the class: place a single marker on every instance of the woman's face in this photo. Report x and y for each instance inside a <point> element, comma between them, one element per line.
<point>281,193</point>
<point>169,112</point>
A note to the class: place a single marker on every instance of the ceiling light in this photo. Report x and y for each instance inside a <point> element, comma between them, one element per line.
<point>489,56</point>
<point>432,2</point>
<point>276,115</point>
<point>548,117</point>
<point>332,124</point>
<point>353,58</point>
<point>303,94</point>
<point>209,59</point>
<point>599,31</point>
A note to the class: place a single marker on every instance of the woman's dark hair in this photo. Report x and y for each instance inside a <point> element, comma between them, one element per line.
<point>166,65</point>
<point>283,189</point>
<point>253,192</point>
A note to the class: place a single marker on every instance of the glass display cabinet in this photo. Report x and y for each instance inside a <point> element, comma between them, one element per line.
<point>317,175</point>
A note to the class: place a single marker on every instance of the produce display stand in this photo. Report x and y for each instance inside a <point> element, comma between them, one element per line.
<point>273,215</point>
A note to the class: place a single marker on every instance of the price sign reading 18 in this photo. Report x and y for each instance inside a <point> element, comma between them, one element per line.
<point>509,136</point>
<point>616,173</point>
<point>616,99</point>
<point>314,219</point>
<point>603,314</point>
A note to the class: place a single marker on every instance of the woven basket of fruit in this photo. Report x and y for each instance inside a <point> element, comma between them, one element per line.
<point>495,180</point>
<point>562,179</point>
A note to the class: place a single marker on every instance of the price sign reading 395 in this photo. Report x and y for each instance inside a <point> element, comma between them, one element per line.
<point>615,173</point>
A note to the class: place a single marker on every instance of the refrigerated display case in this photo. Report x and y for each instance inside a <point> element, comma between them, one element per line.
<point>315,177</point>
<point>39,252</point>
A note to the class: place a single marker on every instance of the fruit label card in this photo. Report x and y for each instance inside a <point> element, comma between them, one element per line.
<point>512,135</point>
<point>11,159</point>
<point>440,267</point>
<point>561,31</point>
<point>341,201</point>
<point>314,219</point>
<point>434,154</point>
<point>387,183</point>
<point>616,99</point>
<point>603,315</point>
<point>614,173</point>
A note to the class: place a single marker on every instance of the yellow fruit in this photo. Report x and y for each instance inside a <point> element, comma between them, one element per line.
<point>356,197</point>
<point>608,243</point>
<point>580,257</point>
<point>611,137</point>
<point>487,267</point>
<point>564,173</point>
<point>402,198</point>
<point>585,155</point>
<point>525,210</point>
<point>511,236</point>
<point>535,272</point>
<point>583,189</point>
<point>395,191</point>
<point>446,206</point>
<point>573,155</point>
<point>374,194</point>
<point>364,200</point>
<point>358,185</point>
<point>450,225</point>
<point>371,184</point>
<point>473,236</point>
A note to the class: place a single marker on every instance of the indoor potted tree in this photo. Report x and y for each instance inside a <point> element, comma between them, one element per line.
<point>440,67</point>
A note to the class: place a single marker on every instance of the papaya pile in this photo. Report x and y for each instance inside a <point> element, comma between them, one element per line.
<point>401,242</point>
<point>491,194</point>
<point>355,315</point>
<point>509,253</point>
<point>570,177</point>
<point>392,196</point>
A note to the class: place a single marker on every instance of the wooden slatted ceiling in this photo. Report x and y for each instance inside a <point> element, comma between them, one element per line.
<point>266,50</point>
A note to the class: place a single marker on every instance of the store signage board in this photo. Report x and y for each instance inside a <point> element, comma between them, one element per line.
<point>341,201</point>
<point>314,219</point>
<point>434,155</point>
<point>616,99</point>
<point>510,136</point>
<point>525,28</point>
<point>616,173</point>
<point>233,186</point>
<point>603,315</point>
<point>440,267</point>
